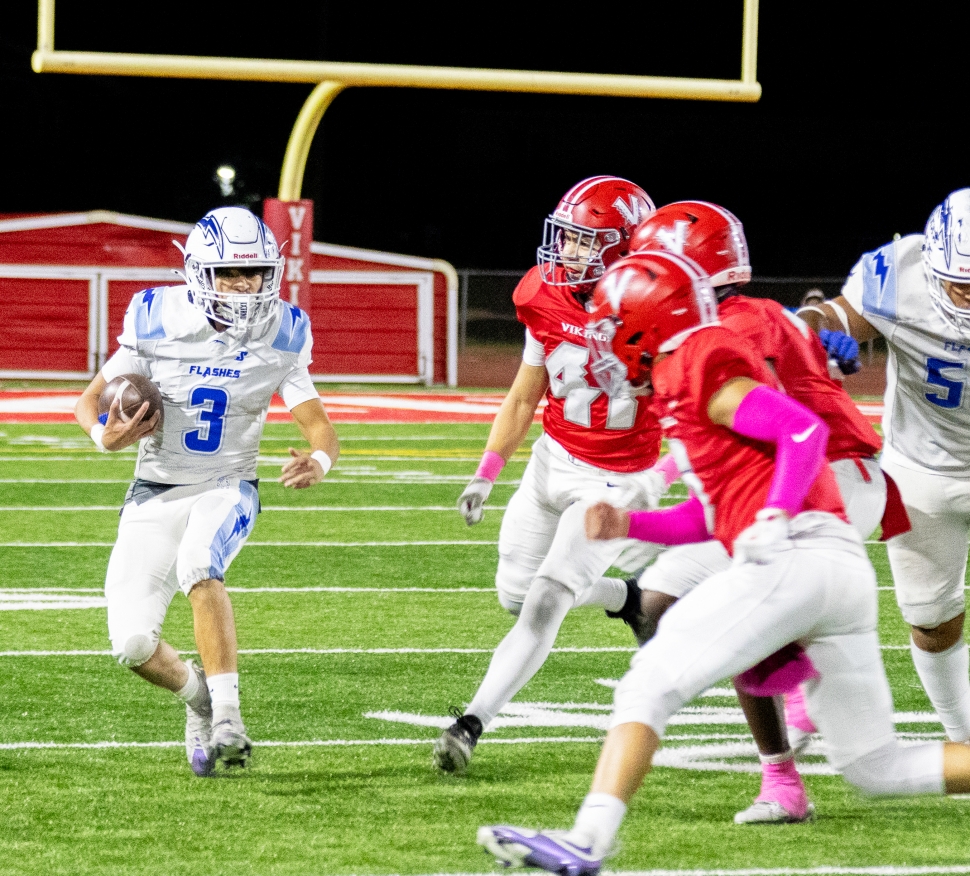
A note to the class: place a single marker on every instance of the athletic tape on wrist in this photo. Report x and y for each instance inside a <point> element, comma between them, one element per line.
<point>490,466</point>
<point>97,430</point>
<point>323,459</point>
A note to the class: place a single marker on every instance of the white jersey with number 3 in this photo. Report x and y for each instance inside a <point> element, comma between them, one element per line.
<point>216,386</point>
<point>926,422</point>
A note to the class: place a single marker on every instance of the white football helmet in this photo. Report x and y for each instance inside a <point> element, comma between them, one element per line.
<point>232,237</point>
<point>946,253</point>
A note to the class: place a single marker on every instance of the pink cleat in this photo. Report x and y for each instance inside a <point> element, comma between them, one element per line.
<point>782,799</point>
<point>800,726</point>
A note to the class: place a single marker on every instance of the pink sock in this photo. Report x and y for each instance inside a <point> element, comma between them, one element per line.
<point>795,714</point>
<point>781,783</point>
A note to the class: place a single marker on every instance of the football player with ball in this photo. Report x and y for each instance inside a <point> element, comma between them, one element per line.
<point>216,348</point>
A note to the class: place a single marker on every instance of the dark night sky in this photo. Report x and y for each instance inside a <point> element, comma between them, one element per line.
<point>862,128</point>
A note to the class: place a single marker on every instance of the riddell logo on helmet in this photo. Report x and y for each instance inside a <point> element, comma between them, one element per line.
<point>245,255</point>
<point>963,270</point>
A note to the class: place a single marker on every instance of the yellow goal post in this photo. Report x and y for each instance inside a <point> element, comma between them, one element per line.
<point>332,77</point>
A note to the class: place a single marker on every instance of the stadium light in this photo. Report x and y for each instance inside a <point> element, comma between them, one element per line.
<point>226,177</point>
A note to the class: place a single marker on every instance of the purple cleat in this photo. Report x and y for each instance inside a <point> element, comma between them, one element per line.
<point>201,761</point>
<point>198,731</point>
<point>548,850</point>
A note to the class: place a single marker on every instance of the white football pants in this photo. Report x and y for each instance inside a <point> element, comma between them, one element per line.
<point>543,531</point>
<point>174,540</point>
<point>820,592</point>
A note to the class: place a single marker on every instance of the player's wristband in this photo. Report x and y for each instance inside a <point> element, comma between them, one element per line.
<point>666,467</point>
<point>97,430</point>
<point>490,466</point>
<point>325,461</point>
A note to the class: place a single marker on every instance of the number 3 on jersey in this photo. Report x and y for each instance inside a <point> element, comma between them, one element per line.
<point>213,403</point>
<point>567,380</point>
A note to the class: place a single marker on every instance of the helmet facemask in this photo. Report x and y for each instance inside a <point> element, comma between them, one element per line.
<point>241,310</point>
<point>946,255</point>
<point>614,376</point>
<point>574,255</point>
<point>959,317</point>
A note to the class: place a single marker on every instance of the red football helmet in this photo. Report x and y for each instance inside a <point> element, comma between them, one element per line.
<point>710,235</point>
<point>589,230</point>
<point>645,304</point>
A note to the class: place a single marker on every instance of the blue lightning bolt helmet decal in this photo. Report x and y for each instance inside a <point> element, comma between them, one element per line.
<point>946,229</point>
<point>209,226</point>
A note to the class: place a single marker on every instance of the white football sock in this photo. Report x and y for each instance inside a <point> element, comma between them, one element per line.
<point>224,690</point>
<point>946,680</point>
<point>524,649</point>
<point>610,593</point>
<point>597,823</point>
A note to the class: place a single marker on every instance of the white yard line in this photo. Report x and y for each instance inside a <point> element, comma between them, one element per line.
<point>30,591</point>
<point>99,544</point>
<point>371,651</point>
<point>451,509</point>
<point>885,870</point>
<point>348,458</point>
<point>364,478</point>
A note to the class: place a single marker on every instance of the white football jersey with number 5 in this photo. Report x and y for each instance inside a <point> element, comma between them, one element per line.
<point>926,421</point>
<point>216,386</point>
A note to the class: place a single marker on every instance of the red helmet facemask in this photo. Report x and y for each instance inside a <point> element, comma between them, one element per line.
<point>645,304</point>
<point>710,235</point>
<point>590,230</point>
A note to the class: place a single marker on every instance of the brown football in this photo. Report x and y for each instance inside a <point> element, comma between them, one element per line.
<point>135,390</point>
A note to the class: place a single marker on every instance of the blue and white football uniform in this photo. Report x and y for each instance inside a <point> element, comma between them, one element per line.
<point>194,502</point>
<point>926,427</point>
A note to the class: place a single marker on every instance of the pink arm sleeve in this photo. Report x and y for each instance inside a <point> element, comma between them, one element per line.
<point>799,435</point>
<point>683,524</point>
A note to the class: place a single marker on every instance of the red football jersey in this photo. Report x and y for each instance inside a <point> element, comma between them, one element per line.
<point>801,364</point>
<point>620,435</point>
<point>726,470</point>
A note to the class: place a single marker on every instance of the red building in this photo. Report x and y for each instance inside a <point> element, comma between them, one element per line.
<point>66,279</point>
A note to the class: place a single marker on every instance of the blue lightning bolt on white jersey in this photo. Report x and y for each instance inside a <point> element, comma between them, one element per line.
<point>216,386</point>
<point>926,421</point>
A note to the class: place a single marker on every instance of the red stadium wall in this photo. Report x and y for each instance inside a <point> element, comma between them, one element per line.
<point>66,280</point>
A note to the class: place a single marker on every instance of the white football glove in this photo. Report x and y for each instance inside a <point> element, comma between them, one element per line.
<point>764,539</point>
<point>471,501</point>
